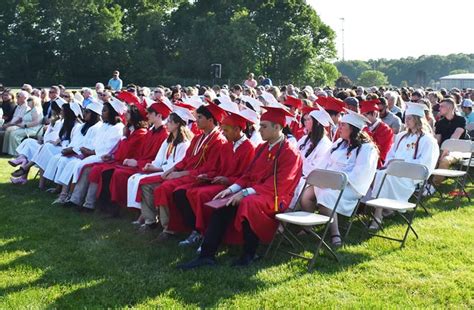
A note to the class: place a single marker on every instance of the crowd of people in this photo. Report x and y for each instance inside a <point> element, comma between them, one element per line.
<point>219,162</point>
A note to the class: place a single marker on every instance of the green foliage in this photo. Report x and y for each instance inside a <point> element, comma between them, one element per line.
<point>372,78</point>
<point>344,82</point>
<point>421,71</point>
<point>56,258</point>
<point>151,41</point>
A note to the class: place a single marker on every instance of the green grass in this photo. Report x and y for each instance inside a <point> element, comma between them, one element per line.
<point>51,257</point>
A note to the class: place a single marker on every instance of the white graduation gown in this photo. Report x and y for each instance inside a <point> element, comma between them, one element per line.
<point>102,143</point>
<point>29,147</point>
<point>315,160</point>
<point>404,149</point>
<point>47,152</point>
<point>360,169</point>
<point>160,161</point>
<point>56,165</point>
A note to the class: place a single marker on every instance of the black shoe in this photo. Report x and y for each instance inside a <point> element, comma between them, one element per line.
<point>245,260</point>
<point>198,262</point>
<point>70,204</point>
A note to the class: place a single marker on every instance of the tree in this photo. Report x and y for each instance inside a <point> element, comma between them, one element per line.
<point>344,82</point>
<point>372,78</point>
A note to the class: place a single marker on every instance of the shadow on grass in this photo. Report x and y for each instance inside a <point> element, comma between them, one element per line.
<point>94,261</point>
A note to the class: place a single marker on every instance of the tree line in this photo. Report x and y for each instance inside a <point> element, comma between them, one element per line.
<point>152,42</point>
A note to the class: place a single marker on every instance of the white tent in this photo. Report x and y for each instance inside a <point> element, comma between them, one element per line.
<point>464,80</point>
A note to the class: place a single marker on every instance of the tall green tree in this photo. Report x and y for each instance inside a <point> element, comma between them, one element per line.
<point>372,78</point>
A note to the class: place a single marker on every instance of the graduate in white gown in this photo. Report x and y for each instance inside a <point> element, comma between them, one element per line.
<point>355,154</point>
<point>41,158</point>
<point>314,147</point>
<point>414,145</point>
<point>171,152</point>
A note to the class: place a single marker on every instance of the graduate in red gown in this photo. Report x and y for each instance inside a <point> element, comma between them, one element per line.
<point>189,211</point>
<point>265,189</point>
<point>335,108</point>
<point>201,157</point>
<point>118,177</point>
<point>295,105</point>
<point>380,132</point>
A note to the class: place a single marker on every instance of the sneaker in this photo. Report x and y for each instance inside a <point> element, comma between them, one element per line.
<point>162,237</point>
<point>147,227</point>
<point>429,190</point>
<point>194,238</point>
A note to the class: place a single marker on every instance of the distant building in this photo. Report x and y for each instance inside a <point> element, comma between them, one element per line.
<point>464,80</point>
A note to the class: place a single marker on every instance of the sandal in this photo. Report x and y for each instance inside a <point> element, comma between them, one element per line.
<point>19,172</point>
<point>336,244</point>
<point>375,224</point>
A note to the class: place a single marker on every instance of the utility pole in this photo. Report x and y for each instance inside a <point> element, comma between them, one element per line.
<point>342,22</point>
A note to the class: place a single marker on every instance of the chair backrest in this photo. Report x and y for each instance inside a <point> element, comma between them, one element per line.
<point>457,145</point>
<point>412,171</point>
<point>327,179</point>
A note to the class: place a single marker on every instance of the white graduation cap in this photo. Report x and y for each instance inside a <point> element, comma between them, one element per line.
<point>416,109</point>
<point>148,101</point>
<point>256,104</point>
<point>119,106</point>
<point>79,98</point>
<point>270,99</point>
<point>322,116</point>
<point>76,108</point>
<point>227,104</point>
<point>194,101</point>
<point>250,115</point>
<point>355,119</point>
<point>95,106</point>
<point>60,101</point>
<point>167,102</point>
<point>184,114</point>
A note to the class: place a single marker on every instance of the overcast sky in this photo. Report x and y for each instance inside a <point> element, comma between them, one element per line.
<point>395,29</point>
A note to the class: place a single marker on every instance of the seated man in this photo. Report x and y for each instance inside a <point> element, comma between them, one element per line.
<point>266,188</point>
<point>201,156</point>
<point>235,158</point>
<point>450,126</point>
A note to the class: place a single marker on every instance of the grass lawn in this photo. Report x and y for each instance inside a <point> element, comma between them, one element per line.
<point>51,257</point>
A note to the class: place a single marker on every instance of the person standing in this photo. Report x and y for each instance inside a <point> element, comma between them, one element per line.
<point>115,82</point>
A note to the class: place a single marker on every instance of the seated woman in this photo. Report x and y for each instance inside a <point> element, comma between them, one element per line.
<point>171,152</point>
<point>30,125</point>
<point>355,154</point>
<point>29,147</point>
<point>314,147</point>
<point>414,145</point>
<point>70,124</point>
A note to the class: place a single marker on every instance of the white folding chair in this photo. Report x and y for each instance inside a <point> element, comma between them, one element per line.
<point>469,163</point>
<point>459,176</point>
<point>324,179</point>
<point>401,169</point>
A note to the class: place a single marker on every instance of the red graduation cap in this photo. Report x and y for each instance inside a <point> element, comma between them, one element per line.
<point>293,102</point>
<point>369,106</point>
<point>235,120</point>
<point>184,105</point>
<point>307,109</point>
<point>275,115</point>
<point>128,97</point>
<point>161,108</point>
<point>333,104</point>
<point>217,113</point>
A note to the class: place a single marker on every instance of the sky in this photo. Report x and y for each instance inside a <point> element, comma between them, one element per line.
<point>396,29</point>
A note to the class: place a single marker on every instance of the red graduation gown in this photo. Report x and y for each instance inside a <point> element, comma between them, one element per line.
<point>127,148</point>
<point>231,165</point>
<point>259,209</point>
<point>147,153</point>
<point>383,138</point>
<point>297,130</point>
<point>205,160</point>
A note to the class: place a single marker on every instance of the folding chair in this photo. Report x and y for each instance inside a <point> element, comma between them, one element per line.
<point>459,176</point>
<point>401,169</point>
<point>469,162</point>
<point>324,179</point>
<point>470,130</point>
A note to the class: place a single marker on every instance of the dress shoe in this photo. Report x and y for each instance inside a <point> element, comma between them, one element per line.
<point>198,262</point>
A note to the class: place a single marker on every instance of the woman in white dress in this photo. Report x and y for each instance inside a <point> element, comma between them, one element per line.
<point>41,159</point>
<point>314,147</point>
<point>355,154</point>
<point>94,146</point>
<point>171,152</point>
<point>30,125</point>
<point>414,145</point>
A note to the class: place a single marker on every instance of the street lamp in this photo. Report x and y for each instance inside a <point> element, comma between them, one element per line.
<point>342,22</point>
